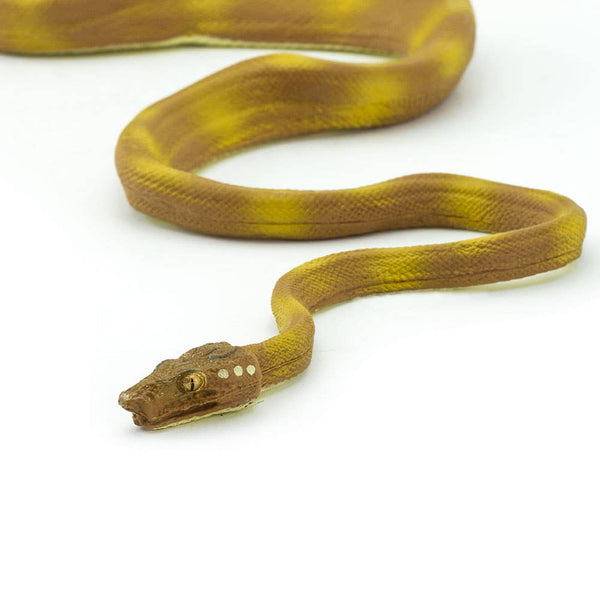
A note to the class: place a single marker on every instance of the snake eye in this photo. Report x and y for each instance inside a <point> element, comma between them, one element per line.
<point>192,381</point>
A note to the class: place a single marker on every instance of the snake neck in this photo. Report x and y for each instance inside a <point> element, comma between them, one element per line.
<point>286,355</point>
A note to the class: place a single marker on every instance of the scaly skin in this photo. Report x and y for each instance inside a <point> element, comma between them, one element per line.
<point>428,45</point>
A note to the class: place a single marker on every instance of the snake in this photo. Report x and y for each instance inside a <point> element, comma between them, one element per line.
<point>424,48</point>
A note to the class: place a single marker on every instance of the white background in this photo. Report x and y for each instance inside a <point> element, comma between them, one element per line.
<point>470,470</point>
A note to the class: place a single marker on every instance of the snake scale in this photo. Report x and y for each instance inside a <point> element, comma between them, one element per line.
<point>426,46</point>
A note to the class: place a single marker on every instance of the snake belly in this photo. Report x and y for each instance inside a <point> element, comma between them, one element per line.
<point>425,47</point>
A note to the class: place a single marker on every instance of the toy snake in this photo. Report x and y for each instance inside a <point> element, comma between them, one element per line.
<point>427,45</point>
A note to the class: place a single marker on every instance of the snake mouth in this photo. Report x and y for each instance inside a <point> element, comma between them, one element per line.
<point>197,412</point>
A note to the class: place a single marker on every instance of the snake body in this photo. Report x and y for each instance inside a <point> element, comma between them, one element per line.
<point>427,45</point>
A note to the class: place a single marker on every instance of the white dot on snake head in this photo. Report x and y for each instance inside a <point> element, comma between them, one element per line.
<point>223,373</point>
<point>238,371</point>
<point>251,369</point>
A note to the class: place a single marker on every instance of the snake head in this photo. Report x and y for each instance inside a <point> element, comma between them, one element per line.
<point>209,380</point>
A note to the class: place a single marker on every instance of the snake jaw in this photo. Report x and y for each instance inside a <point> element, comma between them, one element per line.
<point>212,379</point>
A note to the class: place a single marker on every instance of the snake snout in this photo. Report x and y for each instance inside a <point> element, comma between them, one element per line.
<point>141,400</point>
<point>130,402</point>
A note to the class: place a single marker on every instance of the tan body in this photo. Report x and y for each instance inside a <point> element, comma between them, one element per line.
<point>428,45</point>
